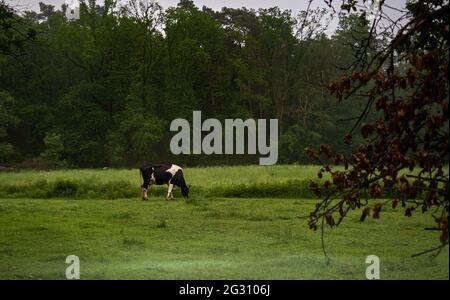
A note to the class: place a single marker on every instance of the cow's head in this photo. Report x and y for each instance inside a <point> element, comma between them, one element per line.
<point>185,191</point>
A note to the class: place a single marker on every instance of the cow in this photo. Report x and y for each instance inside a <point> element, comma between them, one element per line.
<point>159,174</point>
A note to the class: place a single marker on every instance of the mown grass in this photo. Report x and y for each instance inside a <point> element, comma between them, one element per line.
<point>239,223</point>
<point>206,238</point>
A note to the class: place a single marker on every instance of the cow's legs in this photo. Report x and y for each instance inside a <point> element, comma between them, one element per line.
<point>173,189</point>
<point>169,192</point>
<point>144,193</point>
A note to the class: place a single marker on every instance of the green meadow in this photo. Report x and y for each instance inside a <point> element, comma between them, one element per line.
<point>239,223</point>
<point>242,181</point>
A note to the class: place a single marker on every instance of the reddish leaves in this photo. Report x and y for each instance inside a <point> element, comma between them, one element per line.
<point>347,138</point>
<point>365,213</point>
<point>411,134</point>
<point>330,220</point>
<point>366,130</point>
<point>376,211</point>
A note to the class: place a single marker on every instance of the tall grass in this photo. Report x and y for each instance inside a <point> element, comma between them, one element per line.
<point>241,181</point>
<point>281,181</point>
<point>82,189</point>
<point>204,176</point>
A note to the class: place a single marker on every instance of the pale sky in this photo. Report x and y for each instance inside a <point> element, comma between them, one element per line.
<point>214,4</point>
<point>294,5</point>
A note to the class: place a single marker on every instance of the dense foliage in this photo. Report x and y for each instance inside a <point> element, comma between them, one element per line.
<point>102,90</point>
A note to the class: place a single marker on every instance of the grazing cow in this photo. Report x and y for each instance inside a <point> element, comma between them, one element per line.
<point>169,174</point>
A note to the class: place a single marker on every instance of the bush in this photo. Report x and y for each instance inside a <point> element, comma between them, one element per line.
<point>288,189</point>
<point>91,189</point>
<point>54,149</point>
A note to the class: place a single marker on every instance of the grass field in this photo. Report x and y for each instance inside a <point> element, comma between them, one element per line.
<point>248,181</point>
<point>207,237</point>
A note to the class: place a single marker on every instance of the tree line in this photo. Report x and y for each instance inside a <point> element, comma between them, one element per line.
<point>102,90</point>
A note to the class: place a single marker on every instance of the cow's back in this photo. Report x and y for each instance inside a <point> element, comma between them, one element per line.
<point>163,173</point>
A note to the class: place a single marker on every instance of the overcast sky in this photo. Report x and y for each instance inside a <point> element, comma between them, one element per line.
<point>215,4</point>
<point>294,5</point>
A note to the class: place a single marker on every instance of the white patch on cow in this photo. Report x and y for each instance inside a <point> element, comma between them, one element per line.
<point>152,178</point>
<point>173,169</point>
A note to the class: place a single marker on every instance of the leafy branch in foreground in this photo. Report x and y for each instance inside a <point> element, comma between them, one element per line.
<point>405,149</point>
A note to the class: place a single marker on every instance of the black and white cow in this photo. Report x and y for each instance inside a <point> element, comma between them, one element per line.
<point>169,174</point>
